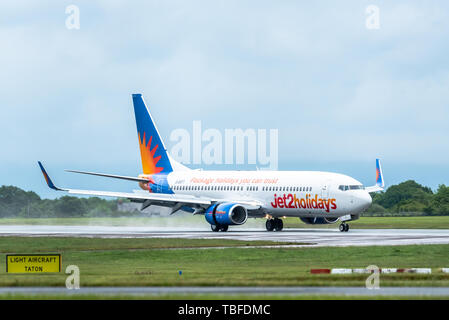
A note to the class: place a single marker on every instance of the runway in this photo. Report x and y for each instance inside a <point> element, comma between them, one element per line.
<point>306,237</point>
<point>136,291</point>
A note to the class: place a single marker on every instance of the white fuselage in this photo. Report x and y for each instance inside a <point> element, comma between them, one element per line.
<point>282,193</point>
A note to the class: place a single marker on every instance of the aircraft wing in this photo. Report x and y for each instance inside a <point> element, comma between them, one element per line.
<point>156,197</point>
<point>110,176</point>
<point>148,199</point>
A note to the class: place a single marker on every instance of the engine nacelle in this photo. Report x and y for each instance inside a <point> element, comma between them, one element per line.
<point>226,213</point>
<point>319,220</point>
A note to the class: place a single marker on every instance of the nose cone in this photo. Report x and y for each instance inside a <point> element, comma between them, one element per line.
<point>364,200</point>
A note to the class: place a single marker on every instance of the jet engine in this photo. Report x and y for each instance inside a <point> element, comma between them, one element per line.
<point>225,214</point>
<point>319,220</point>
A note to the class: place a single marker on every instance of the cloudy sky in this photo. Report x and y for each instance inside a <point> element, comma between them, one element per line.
<point>340,94</point>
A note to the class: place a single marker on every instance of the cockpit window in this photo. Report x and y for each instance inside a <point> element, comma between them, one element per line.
<point>353,187</point>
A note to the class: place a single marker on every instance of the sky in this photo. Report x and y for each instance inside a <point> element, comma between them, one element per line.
<point>340,94</point>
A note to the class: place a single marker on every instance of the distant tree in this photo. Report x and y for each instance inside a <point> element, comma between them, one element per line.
<point>404,195</point>
<point>70,207</point>
<point>41,209</point>
<point>13,200</point>
<point>440,201</point>
<point>375,209</point>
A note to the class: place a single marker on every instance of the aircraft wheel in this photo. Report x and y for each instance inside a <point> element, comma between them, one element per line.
<point>278,224</point>
<point>214,228</point>
<point>346,227</point>
<point>269,224</point>
<point>342,227</point>
<point>224,228</point>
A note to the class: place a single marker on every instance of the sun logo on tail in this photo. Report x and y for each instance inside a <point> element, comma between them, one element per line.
<point>149,161</point>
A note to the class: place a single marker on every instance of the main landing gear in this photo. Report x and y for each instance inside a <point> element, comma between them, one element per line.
<point>216,228</point>
<point>344,227</point>
<point>275,224</point>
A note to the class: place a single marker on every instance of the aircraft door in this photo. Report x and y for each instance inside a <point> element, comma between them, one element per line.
<point>325,190</point>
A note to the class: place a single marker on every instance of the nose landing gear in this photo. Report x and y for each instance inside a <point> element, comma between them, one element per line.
<point>275,224</point>
<point>344,227</point>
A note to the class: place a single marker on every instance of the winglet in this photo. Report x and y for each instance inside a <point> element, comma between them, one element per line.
<point>379,175</point>
<point>47,178</point>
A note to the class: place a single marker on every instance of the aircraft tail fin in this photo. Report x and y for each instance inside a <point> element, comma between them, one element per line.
<point>380,183</point>
<point>154,155</point>
<point>379,175</point>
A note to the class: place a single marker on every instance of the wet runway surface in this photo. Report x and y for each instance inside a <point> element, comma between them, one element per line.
<point>314,237</point>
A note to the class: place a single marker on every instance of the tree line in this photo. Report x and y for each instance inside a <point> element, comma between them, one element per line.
<point>406,198</point>
<point>15,202</point>
<point>410,198</point>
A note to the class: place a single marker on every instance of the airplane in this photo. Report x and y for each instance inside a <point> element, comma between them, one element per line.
<point>229,198</point>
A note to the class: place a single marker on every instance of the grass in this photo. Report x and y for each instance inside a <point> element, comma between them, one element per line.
<point>417,222</point>
<point>61,244</point>
<point>149,262</point>
<point>421,222</point>
<point>212,297</point>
